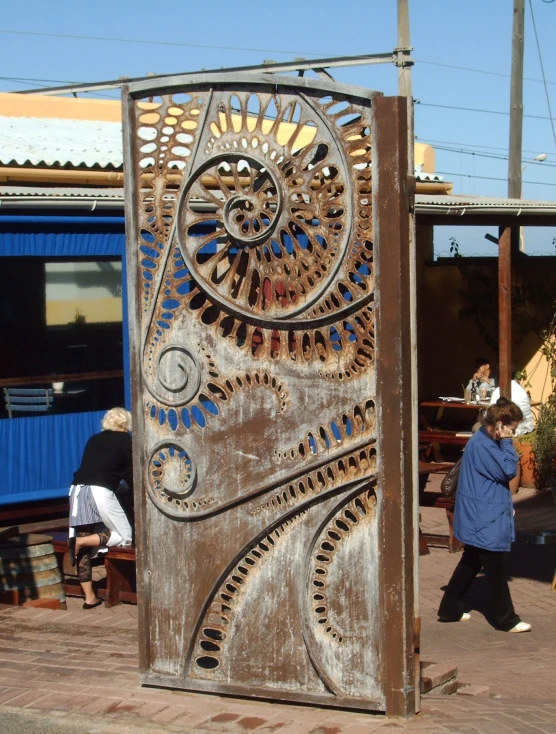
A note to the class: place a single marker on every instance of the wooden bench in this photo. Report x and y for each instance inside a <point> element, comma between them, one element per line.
<point>37,517</point>
<point>121,580</point>
<point>119,564</point>
<point>440,501</point>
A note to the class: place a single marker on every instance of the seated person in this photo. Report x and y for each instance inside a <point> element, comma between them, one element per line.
<point>481,381</point>
<point>520,398</point>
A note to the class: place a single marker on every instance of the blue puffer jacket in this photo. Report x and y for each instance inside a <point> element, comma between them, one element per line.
<point>484,509</point>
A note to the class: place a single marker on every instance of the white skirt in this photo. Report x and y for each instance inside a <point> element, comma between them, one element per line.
<point>112,516</point>
<point>110,512</point>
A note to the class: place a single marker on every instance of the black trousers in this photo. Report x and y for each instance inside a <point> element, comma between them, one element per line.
<point>494,565</point>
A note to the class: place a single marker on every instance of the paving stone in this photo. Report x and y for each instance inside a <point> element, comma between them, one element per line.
<point>28,697</point>
<point>9,694</point>
<point>274,725</point>
<point>168,714</point>
<point>44,656</point>
<point>97,706</point>
<point>473,690</point>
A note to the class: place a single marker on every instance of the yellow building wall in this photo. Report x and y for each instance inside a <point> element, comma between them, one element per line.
<point>92,310</point>
<point>36,105</point>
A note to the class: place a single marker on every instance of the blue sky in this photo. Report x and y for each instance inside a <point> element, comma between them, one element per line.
<point>471,147</point>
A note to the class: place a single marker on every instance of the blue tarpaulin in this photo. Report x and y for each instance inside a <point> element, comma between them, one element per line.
<point>38,455</point>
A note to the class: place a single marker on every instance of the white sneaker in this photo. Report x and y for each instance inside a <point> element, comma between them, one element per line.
<point>521,627</point>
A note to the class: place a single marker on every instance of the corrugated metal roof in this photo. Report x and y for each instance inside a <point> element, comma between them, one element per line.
<point>54,141</point>
<point>424,203</point>
<point>459,205</point>
<point>50,141</point>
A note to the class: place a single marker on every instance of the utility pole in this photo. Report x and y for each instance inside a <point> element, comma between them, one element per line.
<point>516,101</point>
<point>509,236</point>
<point>404,62</point>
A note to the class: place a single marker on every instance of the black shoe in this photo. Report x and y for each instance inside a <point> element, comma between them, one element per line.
<point>92,606</point>
<point>71,551</point>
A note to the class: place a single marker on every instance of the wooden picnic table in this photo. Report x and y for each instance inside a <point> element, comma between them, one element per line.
<point>441,406</point>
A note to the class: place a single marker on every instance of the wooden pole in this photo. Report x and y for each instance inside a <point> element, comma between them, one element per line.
<point>505,309</point>
<point>516,102</point>
<point>405,89</point>
<point>509,237</point>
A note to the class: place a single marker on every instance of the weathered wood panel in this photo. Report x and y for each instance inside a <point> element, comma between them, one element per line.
<point>251,250</point>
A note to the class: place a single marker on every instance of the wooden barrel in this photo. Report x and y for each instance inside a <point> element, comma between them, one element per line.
<point>29,567</point>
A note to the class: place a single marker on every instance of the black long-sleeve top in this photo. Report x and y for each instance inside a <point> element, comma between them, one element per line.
<point>107,459</point>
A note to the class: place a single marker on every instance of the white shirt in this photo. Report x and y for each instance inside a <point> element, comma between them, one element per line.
<point>520,398</point>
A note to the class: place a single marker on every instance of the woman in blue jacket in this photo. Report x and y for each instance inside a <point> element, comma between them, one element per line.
<point>484,517</point>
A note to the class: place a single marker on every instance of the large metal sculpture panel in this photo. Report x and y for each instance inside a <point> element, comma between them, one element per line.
<point>251,252</point>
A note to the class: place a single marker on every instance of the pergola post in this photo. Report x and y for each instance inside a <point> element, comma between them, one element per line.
<point>505,310</point>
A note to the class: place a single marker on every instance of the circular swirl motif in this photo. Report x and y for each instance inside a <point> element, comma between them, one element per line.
<point>279,231</point>
<point>177,376</point>
<point>250,215</point>
<point>172,476</point>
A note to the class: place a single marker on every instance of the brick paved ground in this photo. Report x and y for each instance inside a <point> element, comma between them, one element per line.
<point>44,654</point>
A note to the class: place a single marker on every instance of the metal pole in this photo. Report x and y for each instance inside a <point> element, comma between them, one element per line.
<point>270,67</point>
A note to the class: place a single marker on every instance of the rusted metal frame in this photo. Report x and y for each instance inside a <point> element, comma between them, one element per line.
<point>396,458</point>
<point>505,310</point>
<point>414,376</point>
<point>183,82</point>
<point>134,301</point>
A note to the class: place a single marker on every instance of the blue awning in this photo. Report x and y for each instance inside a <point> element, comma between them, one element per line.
<point>61,236</point>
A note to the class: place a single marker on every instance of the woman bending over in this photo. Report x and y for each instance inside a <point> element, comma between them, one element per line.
<point>97,520</point>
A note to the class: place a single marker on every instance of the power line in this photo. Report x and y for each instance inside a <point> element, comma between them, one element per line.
<point>491,178</point>
<point>542,71</point>
<point>28,80</point>
<point>498,157</point>
<point>156,43</point>
<point>32,82</point>
<point>467,145</point>
<point>150,42</point>
<point>476,71</point>
<point>473,109</point>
